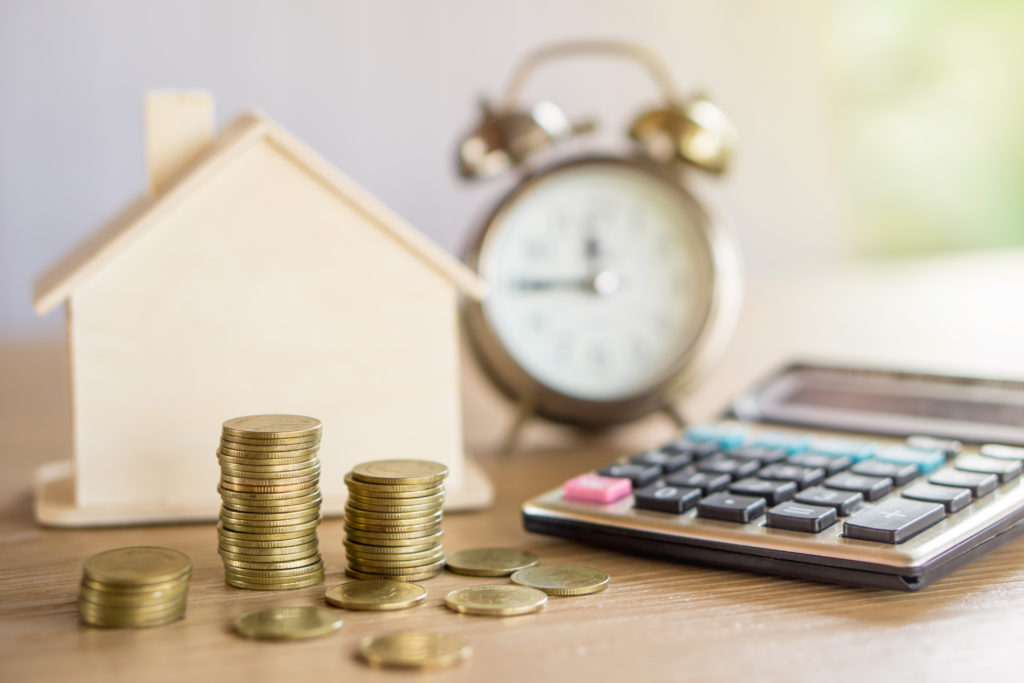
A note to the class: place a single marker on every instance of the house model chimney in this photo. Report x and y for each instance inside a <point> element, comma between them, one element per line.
<point>178,126</point>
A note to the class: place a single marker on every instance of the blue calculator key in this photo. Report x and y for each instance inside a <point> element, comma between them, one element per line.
<point>829,463</point>
<point>721,464</point>
<point>900,474</point>
<point>951,447</point>
<point>953,499</point>
<point>791,443</point>
<point>705,481</point>
<point>724,436</point>
<point>800,517</point>
<point>893,521</point>
<point>672,499</point>
<point>1006,470</point>
<point>844,448</point>
<point>696,449</point>
<point>844,502</point>
<point>803,476</point>
<point>774,492</point>
<point>980,484</point>
<point>638,475</point>
<point>765,456</point>
<point>872,488</point>
<point>668,462</point>
<point>926,461</point>
<point>730,507</point>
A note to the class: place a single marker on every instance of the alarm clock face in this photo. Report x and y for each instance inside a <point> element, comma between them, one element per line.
<point>602,279</point>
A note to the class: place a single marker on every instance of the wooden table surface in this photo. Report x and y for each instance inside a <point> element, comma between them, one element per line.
<point>657,622</point>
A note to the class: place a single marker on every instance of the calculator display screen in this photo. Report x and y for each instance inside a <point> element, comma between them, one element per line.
<point>890,403</point>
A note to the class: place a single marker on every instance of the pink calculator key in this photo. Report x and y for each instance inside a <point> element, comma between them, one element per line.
<point>595,488</point>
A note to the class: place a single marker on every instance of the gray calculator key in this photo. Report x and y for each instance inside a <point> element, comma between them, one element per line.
<point>830,464</point>
<point>672,499</point>
<point>765,456</point>
<point>697,449</point>
<point>705,481</point>
<point>893,521</point>
<point>900,474</point>
<point>639,475</point>
<point>731,508</point>
<point>953,499</point>
<point>800,517</point>
<point>844,502</point>
<point>998,450</point>
<point>872,488</point>
<point>1006,470</point>
<point>951,447</point>
<point>979,483</point>
<point>668,462</point>
<point>803,476</point>
<point>773,491</point>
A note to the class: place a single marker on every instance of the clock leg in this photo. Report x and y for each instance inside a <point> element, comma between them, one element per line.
<point>673,414</point>
<point>524,412</point>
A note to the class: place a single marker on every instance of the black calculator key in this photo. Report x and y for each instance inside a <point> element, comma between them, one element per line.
<point>668,462</point>
<point>803,476</point>
<point>893,521</point>
<point>696,449</point>
<point>801,517</point>
<point>828,463</point>
<point>844,502</point>
<point>979,483</point>
<point>765,456</point>
<point>773,491</point>
<point>673,499</point>
<point>705,481</point>
<point>639,475</point>
<point>731,507</point>
<point>953,499</point>
<point>720,464</point>
<point>872,488</point>
<point>951,447</point>
<point>900,474</point>
<point>1006,470</point>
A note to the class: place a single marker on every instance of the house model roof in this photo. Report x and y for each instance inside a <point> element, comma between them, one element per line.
<point>91,256</point>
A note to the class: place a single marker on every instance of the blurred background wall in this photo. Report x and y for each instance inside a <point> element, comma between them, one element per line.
<point>860,120</point>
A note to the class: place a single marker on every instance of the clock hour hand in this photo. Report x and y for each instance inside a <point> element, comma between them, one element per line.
<point>602,283</point>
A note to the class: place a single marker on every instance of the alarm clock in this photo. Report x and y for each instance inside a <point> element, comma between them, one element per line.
<point>611,290</point>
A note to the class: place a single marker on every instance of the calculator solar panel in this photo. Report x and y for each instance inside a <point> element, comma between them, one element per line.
<point>856,506</point>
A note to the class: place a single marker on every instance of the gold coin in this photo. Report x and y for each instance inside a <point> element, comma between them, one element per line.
<point>270,520</point>
<point>562,579</point>
<point>277,464</point>
<point>133,599</point>
<point>273,498</point>
<point>398,552</point>
<point>422,576</point>
<point>397,561</point>
<point>423,472</point>
<point>381,567</point>
<point>496,601</point>
<point>380,537</point>
<point>376,596</point>
<point>490,561</point>
<point>379,517</point>
<point>269,457</point>
<point>271,564</point>
<point>312,580</point>
<point>269,554</point>
<point>255,540</point>
<point>128,619</point>
<point>393,511</point>
<point>137,565</point>
<point>401,525</point>
<point>258,543</point>
<point>270,510</point>
<point>256,473</point>
<point>279,426</point>
<point>288,623</point>
<point>314,565</point>
<point>414,650</point>
<point>268,531</point>
<point>270,440</point>
<point>392,490</point>
<point>139,589</point>
<point>132,610</point>
<point>302,488</point>
<point>272,482</point>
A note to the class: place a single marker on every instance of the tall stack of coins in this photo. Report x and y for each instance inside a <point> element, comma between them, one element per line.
<point>134,587</point>
<point>393,520</point>
<point>270,493</point>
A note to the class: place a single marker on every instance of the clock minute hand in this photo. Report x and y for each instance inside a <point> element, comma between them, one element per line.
<point>602,283</point>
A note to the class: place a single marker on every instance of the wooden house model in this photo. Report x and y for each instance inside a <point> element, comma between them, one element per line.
<point>254,277</point>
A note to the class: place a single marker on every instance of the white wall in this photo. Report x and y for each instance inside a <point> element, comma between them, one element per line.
<point>383,89</point>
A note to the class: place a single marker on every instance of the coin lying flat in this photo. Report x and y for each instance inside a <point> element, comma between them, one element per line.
<point>490,561</point>
<point>503,600</point>
<point>400,472</point>
<point>273,426</point>
<point>377,595</point>
<point>137,565</point>
<point>562,580</point>
<point>288,623</point>
<point>414,649</point>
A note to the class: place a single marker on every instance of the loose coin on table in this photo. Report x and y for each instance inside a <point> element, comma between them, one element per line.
<point>414,649</point>
<point>288,623</point>
<point>490,561</point>
<point>562,580</point>
<point>376,595</point>
<point>503,600</point>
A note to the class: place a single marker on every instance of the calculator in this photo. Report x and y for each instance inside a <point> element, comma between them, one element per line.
<point>845,475</point>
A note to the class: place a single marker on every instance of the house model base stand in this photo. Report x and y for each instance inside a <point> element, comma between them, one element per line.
<point>253,278</point>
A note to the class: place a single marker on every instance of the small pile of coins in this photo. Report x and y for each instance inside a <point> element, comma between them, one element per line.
<point>134,587</point>
<point>393,520</point>
<point>270,494</point>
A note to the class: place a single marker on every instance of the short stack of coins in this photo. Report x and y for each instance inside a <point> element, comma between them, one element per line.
<point>393,520</point>
<point>134,587</point>
<point>270,495</point>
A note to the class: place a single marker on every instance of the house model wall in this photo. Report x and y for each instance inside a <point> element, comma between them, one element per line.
<point>255,278</point>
